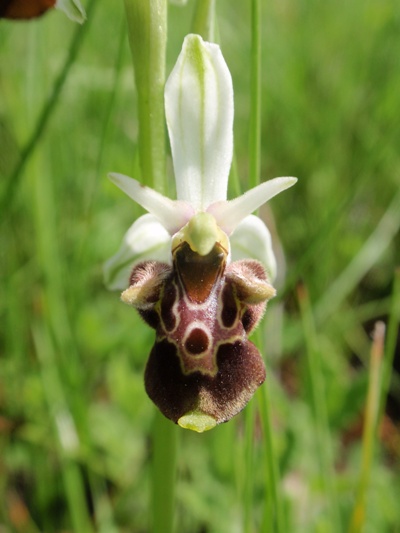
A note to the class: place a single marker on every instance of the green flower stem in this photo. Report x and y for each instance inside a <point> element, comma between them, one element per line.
<point>391,338</point>
<point>274,517</point>
<point>203,22</point>
<point>255,91</point>
<point>147,28</point>
<point>164,446</point>
<point>274,521</point>
<point>370,428</point>
<point>319,409</point>
<point>248,496</point>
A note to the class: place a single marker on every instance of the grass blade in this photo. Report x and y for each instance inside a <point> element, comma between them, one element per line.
<point>47,112</point>
<point>370,428</point>
<point>319,409</point>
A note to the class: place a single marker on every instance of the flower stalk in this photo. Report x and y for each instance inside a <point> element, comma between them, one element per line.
<point>147,29</point>
<point>163,475</point>
<point>324,452</point>
<point>359,515</point>
<point>255,91</point>
<point>204,19</point>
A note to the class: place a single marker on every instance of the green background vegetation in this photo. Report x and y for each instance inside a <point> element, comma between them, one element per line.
<point>75,422</point>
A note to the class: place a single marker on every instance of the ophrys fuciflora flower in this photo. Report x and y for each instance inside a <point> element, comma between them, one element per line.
<point>199,269</point>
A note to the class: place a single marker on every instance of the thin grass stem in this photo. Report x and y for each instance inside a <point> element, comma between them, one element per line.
<point>274,509</point>
<point>235,187</point>
<point>255,92</point>
<point>164,447</point>
<point>370,428</point>
<point>147,30</point>
<point>373,248</point>
<point>273,515</point>
<point>203,22</point>
<point>55,346</point>
<point>66,404</point>
<point>248,496</point>
<point>254,174</point>
<point>391,338</point>
<point>319,409</point>
<point>67,439</point>
<point>47,111</point>
<point>108,113</point>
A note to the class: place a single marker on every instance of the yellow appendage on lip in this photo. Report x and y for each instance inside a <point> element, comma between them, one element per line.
<point>197,421</point>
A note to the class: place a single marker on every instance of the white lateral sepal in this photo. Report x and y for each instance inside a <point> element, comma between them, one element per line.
<point>145,239</point>
<point>172,214</point>
<point>252,239</point>
<point>230,213</point>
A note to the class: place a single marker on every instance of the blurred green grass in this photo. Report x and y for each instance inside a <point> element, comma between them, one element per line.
<point>73,412</point>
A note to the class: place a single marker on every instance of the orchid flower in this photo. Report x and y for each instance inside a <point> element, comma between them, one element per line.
<point>175,263</point>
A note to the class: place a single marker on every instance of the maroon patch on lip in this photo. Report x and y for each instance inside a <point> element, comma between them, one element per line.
<point>197,342</point>
<point>240,372</point>
<point>229,311</point>
<point>167,302</point>
<point>150,317</point>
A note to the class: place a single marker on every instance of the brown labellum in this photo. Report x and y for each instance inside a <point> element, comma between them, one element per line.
<point>202,311</point>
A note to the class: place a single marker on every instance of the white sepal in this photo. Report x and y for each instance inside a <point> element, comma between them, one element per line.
<point>252,239</point>
<point>173,214</point>
<point>199,112</point>
<point>145,239</point>
<point>229,214</point>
